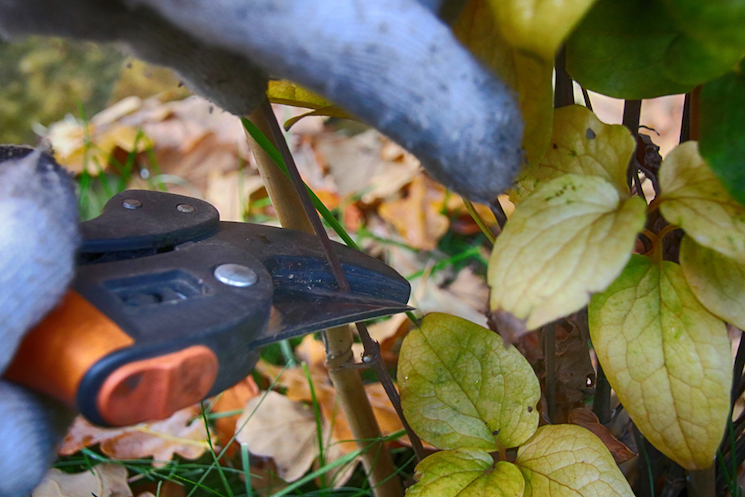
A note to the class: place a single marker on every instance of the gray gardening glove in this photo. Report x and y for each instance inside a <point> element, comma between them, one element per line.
<point>38,239</point>
<point>392,63</point>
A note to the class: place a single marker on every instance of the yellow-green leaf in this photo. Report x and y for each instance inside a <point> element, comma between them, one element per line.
<point>461,388</point>
<point>717,281</point>
<point>466,473</point>
<point>667,358</point>
<point>694,199</point>
<point>568,460</point>
<point>539,27</point>
<point>531,78</point>
<point>288,93</point>
<point>330,111</point>
<point>569,239</point>
<point>581,144</point>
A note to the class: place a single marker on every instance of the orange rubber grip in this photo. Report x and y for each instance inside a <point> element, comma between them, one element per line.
<point>56,354</point>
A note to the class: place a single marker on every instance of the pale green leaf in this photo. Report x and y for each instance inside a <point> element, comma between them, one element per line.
<point>530,77</point>
<point>568,460</point>
<point>667,358</point>
<point>460,386</point>
<point>581,144</point>
<point>569,239</point>
<point>466,473</point>
<point>693,198</point>
<point>539,27</point>
<point>717,281</point>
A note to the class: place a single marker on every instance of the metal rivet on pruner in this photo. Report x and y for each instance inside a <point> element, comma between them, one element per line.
<point>235,275</point>
<point>131,203</point>
<point>185,208</point>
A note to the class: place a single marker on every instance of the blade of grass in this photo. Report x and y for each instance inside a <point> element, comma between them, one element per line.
<point>472,252</point>
<point>319,422</point>
<point>246,470</point>
<point>479,221</point>
<point>212,451</point>
<point>153,161</point>
<point>238,430</point>
<point>125,174</point>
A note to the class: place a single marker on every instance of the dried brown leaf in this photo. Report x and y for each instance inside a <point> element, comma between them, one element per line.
<point>417,216</point>
<point>232,399</point>
<point>587,419</point>
<point>104,480</point>
<point>575,374</point>
<point>183,434</point>
<point>274,426</point>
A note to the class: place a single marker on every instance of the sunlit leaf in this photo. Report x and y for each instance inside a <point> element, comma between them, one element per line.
<point>569,239</point>
<point>632,49</point>
<point>466,473</point>
<point>539,27</point>
<point>717,281</point>
<point>722,142</point>
<point>581,144</point>
<point>693,198</point>
<point>530,77</point>
<point>461,387</point>
<point>568,460</point>
<point>667,358</point>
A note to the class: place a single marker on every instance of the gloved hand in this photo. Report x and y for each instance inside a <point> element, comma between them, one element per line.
<point>38,239</point>
<point>392,63</point>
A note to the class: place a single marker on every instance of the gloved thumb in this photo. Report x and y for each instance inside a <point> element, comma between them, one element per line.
<point>38,238</point>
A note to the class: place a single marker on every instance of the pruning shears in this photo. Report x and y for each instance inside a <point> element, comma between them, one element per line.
<point>170,305</point>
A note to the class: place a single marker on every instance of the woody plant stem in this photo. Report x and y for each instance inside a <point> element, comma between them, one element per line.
<point>294,213</point>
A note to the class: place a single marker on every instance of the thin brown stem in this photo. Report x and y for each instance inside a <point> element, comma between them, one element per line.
<point>695,119</point>
<point>601,402</point>
<point>564,86</point>
<point>685,121</point>
<point>499,214</point>
<point>632,111</point>
<point>549,353</point>
<point>702,483</point>
<point>378,366</point>
<point>586,97</point>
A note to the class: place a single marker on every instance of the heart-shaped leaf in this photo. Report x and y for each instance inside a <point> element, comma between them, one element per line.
<point>667,358</point>
<point>717,281</point>
<point>567,240</point>
<point>693,198</point>
<point>581,144</point>
<point>462,388</point>
<point>466,473</point>
<point>569,461</point>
